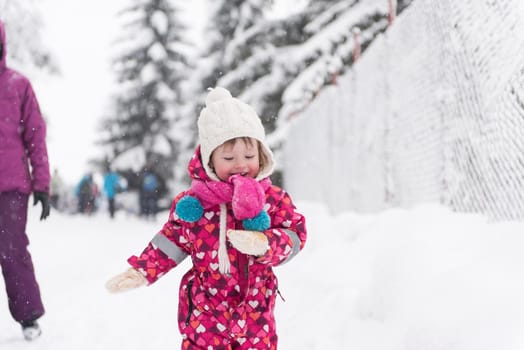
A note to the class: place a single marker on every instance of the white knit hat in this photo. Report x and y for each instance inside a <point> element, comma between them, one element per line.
<point>225,118</point>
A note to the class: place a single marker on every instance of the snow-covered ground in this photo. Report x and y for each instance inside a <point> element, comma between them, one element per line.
<point>420,279</point>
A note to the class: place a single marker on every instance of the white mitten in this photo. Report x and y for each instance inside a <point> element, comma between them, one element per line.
<point>249,242</point>
<point>127,280</point>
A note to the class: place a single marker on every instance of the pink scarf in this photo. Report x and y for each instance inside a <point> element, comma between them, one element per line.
<point>247,195</point>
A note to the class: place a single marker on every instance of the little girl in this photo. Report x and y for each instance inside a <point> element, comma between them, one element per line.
<point>235,225</point>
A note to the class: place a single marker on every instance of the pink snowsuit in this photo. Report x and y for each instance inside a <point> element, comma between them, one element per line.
<point>224,311</point>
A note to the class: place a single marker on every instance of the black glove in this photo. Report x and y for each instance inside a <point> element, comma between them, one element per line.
<point>44,198</point>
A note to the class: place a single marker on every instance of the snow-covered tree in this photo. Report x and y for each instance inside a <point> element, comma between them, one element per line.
<point>228,21</point>
<point>151,67</point>
<point>278,65</point>
<point>26,49</point>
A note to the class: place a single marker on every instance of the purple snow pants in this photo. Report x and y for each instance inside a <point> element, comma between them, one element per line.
<point>22,289</point>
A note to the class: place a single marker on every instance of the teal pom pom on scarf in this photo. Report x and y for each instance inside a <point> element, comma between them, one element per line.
<point>189,209</point>
<point>260,222</point>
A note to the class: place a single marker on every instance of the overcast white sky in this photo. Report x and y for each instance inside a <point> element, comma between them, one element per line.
<point>79,34</point>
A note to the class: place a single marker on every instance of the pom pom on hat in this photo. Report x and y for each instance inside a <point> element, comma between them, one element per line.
<point>217,94</point>
<point>189,209</point>
<point>260,222</point>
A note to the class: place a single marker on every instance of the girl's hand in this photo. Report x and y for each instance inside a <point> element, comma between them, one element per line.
<point>249,242</point>
<point>127,280</point>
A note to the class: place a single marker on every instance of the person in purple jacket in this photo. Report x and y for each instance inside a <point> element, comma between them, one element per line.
<point>22,142</point>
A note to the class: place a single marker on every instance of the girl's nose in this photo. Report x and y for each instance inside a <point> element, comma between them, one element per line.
<point>239,166</point>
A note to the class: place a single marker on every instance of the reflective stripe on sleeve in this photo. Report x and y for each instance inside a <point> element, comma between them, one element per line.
<point>169,248</point>
<point>296,244</point>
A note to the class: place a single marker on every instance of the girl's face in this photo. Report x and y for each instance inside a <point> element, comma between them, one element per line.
<point>236,157</point>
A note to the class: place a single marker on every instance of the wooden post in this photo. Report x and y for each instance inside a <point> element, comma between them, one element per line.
<point>392,7</point>
<point>356,44</point>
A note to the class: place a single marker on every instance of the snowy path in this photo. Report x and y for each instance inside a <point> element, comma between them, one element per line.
<point>421,279</point>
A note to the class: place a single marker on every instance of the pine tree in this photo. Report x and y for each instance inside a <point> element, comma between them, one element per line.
<point>278,65</point>
<point>229,20</point>
<point>150,69</point>
<point>26,50</point>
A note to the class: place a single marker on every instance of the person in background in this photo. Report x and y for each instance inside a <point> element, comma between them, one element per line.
<point>56,190</point>
<point>227,298</point>
<point>111,188</point>
<point>148,193</point>
<point>24,169</point>
<point>86,192</point>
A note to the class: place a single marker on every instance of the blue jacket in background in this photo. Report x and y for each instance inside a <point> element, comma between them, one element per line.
<point>111,184</point>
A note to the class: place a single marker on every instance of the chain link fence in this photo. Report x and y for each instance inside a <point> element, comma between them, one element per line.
<point>432,112</point>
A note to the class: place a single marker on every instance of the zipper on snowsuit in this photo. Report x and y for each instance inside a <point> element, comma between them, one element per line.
<point>190,302</point>
<point>280,295</point>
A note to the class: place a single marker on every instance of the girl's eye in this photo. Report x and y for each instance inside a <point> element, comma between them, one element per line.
<point>228,158</point>
<point>250,157</point>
